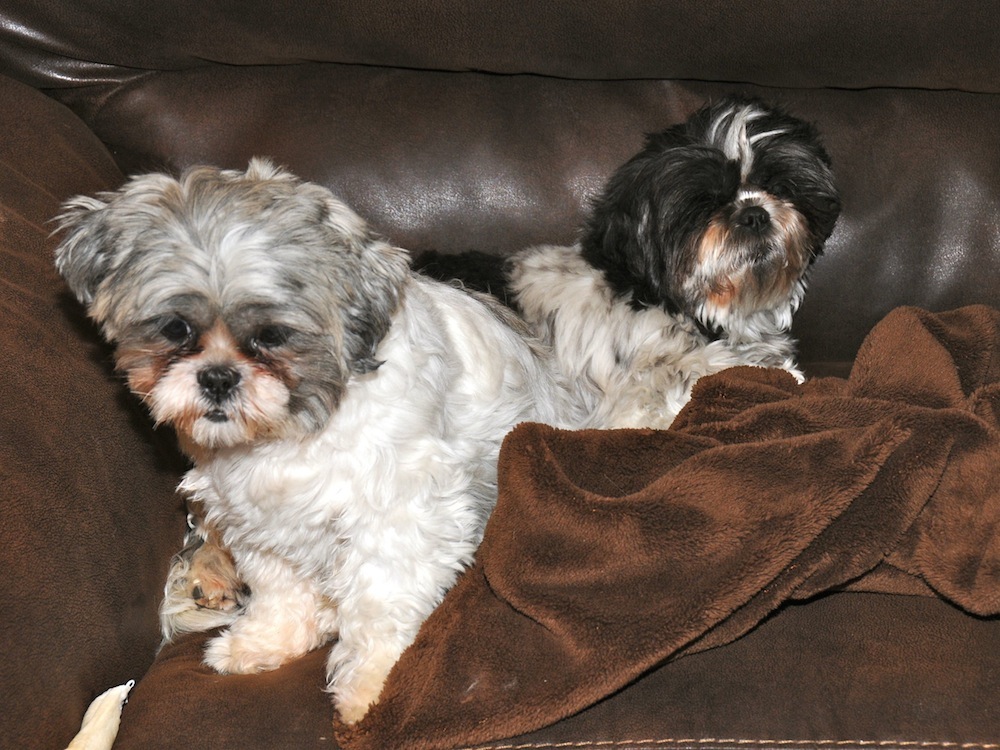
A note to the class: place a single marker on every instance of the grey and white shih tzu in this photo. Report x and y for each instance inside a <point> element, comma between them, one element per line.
<point>343,415</point>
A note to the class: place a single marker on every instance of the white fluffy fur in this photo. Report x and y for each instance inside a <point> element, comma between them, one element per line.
<point>628,367</point>
<point>357,531</point>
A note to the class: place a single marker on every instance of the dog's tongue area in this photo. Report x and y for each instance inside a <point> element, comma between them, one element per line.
<point>216,416</point>
<point>611,552</point>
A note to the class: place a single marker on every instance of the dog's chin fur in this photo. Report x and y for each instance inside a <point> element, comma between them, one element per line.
<point>344,416</point>
<point>693,260</point>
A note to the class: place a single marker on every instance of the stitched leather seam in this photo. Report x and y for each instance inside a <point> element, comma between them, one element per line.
<point>746,743</point>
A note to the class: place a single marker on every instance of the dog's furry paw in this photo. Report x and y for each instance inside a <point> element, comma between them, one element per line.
<point>203,590</point>
<point>213,582</point>
<point>353,708</point>
<point>230,653</point>
<point>251,646</point>
<point>356,679</point>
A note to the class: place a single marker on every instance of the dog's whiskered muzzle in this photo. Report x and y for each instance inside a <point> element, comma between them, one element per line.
<point>218,382</point>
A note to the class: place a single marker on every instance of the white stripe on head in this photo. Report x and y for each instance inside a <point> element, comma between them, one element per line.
<point>746,196</point>
<point>728,133</point>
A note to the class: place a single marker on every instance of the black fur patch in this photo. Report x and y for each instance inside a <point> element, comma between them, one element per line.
<point>475,270</point>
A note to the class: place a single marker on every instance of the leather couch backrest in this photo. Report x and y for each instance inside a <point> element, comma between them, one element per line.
<point>388,104</point>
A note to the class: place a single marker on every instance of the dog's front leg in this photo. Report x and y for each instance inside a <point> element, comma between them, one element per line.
<point>377,623</point>
<point>358,666</point>
<point>285,618</point>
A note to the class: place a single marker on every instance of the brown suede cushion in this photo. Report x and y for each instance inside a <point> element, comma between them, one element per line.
<point>181,703</point>
<point>848,670</point>
<point>89,517</point>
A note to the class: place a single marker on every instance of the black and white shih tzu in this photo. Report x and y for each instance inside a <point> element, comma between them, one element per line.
<point>693,260</point>
<point>343,415</point>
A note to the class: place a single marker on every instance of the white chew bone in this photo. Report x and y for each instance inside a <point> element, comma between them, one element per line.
<point>100,723</point>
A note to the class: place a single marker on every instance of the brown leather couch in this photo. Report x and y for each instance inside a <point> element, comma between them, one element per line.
<point>457,125</point>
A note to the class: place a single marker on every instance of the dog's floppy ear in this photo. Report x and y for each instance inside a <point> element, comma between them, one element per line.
<point>624,239</point>
<point>371,293</point>
<point>379,297</point>
<point>83,256</point>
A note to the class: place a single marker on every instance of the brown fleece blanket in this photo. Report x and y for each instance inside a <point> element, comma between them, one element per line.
<point>612,552</point>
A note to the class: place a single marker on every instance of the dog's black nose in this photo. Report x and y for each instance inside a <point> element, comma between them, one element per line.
<point>218,381</point>
<point>753,217</point>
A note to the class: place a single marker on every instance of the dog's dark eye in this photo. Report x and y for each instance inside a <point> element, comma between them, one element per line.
<point>780,189</point>
<point>269,337</point>
<point>176,330</point>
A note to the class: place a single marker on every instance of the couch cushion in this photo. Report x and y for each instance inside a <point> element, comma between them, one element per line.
<point>90,519</point>
<point>849,670</point>
<point>183,703</point>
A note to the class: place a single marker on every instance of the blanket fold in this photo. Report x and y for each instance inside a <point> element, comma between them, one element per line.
<point>612,552</point>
